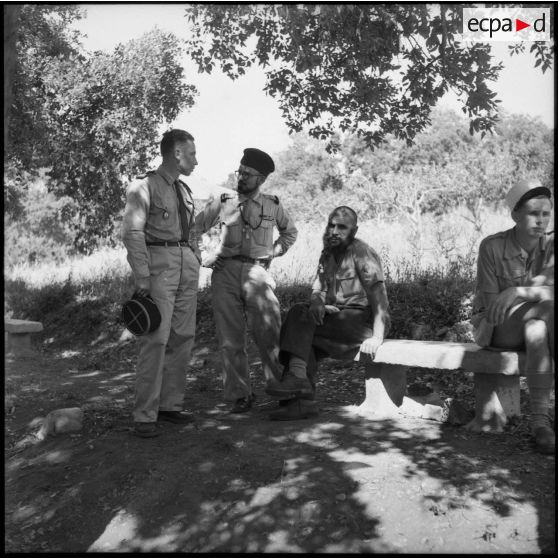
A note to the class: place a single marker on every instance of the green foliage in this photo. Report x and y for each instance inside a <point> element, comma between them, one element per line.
<point>445,168</point>
<point>71,311</point>
<point>80,310</point>
<point>38,304</point>
<point>91,119</point>
<point>105,114</point>
<point>370,69</point>
<point>43,36</point>
<point>431,299</point>
<point>37,233</point>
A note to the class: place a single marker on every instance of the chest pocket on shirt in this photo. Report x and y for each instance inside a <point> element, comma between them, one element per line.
<point>511,276</point>
<point>231,232</point>
<point>348,283</point>
<point>159,211</point>
<point>263,235</point>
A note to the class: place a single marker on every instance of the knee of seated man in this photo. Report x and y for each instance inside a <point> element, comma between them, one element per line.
<point>536,332</point>
<point>545,312</point>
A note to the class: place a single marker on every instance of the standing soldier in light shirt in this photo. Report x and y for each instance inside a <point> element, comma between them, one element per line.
<point>157,231</point>
<point>242,288</point>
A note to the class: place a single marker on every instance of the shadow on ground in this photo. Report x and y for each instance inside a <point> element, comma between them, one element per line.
<point>338,483</point>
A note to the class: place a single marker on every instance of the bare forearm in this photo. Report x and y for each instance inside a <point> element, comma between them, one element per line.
<point>535,294</point>
<point>379,324</point>
<point>377,298</point>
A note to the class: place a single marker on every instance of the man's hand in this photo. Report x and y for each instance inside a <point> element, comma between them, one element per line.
<point>370,346</point>
<point>214,262</point>
<point>276,251</point>
<point>318,311</point>
<point>143,286</point>
<point>330,309</point>
<point>496,312</point>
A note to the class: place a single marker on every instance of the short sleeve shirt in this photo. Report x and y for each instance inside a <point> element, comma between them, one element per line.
<point>247,224</point>
<point>503,263</point>
<point>345,285</point>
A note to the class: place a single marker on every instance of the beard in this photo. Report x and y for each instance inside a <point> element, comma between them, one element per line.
<point>243,188</point>
<point>336,248</point>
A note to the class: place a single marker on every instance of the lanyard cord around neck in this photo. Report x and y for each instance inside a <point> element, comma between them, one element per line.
<point>248,222</point>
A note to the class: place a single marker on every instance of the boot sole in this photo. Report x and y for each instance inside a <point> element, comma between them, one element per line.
<point>288,394</point>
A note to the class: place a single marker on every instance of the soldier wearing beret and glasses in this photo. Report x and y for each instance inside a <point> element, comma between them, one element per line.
<point>157,231</point>
<point>242,288</point>
<point>514,301</point>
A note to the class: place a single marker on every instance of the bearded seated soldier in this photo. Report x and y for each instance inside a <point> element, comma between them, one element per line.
<point>347,313</point>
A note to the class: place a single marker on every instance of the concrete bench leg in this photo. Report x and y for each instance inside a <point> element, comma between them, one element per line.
<point>19,344</point>
<point>385,395</point>
<point>385,386</point>
<point>496,400</point>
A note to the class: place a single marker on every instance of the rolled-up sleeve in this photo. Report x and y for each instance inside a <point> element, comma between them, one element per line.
<point>133,227</point>
<point>208,217</point>
<point>368,266</point>
<point>287,230</point>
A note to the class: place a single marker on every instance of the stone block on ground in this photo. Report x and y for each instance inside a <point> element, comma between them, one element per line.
<point>61,421</point>
<point>18,335</point>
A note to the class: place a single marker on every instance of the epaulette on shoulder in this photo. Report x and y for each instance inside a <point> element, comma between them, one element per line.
<point>148,173</point>
<point>225,197</point>
<point>273,198</point>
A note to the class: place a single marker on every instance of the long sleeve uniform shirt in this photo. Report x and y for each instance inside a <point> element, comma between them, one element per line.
<point>344,284</point>
<point>152,214</point>
<point>247,224</point>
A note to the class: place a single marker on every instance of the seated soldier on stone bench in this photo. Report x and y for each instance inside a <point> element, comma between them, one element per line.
<point>514,302</point>
<point>347,313</point>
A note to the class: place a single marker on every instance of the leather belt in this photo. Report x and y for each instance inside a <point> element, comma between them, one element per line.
<point>169,243</point>
<point>264,262</point>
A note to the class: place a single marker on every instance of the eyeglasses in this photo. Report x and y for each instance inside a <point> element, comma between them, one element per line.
<point>239,172</point>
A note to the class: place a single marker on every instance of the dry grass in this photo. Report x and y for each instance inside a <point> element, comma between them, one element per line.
<point>442,240</point>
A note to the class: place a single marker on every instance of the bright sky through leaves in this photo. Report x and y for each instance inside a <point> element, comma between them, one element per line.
<point>229,116</point>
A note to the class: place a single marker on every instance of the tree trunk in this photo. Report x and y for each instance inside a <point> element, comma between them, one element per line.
<point>11,15</point>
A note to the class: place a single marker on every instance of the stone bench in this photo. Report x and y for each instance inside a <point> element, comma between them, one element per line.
<point>19,335</point>
<point>496,384</point>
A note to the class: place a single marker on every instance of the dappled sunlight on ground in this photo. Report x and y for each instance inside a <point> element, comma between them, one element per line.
<point>241,483</point>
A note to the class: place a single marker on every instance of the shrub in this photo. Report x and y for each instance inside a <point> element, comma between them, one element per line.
<point>37,303</point>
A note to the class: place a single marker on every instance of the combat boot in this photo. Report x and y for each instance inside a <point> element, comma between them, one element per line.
<point>290,386</point>
<point>543,434</point>
<point>296,409</point>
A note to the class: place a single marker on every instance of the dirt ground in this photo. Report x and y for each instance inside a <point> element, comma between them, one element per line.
<point>241,483</point>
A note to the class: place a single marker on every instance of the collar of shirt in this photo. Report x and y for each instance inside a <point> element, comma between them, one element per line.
<point>512,248</point>
<point>257,198</point>
<point>161,171</point>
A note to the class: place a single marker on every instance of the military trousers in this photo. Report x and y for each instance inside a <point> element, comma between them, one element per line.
<point>164,354</point>
<point>244,301</point>
<point>340,336</point>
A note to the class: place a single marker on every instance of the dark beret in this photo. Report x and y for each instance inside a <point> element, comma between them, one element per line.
<point>141,315</point>
<point>258,160</point>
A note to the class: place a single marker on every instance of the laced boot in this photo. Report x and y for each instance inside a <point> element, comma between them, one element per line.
<point>543,434</point>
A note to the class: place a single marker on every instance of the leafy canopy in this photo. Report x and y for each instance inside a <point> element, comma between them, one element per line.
<point>445,168</point>
<point>93,120</point>
<point>371,69</point>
